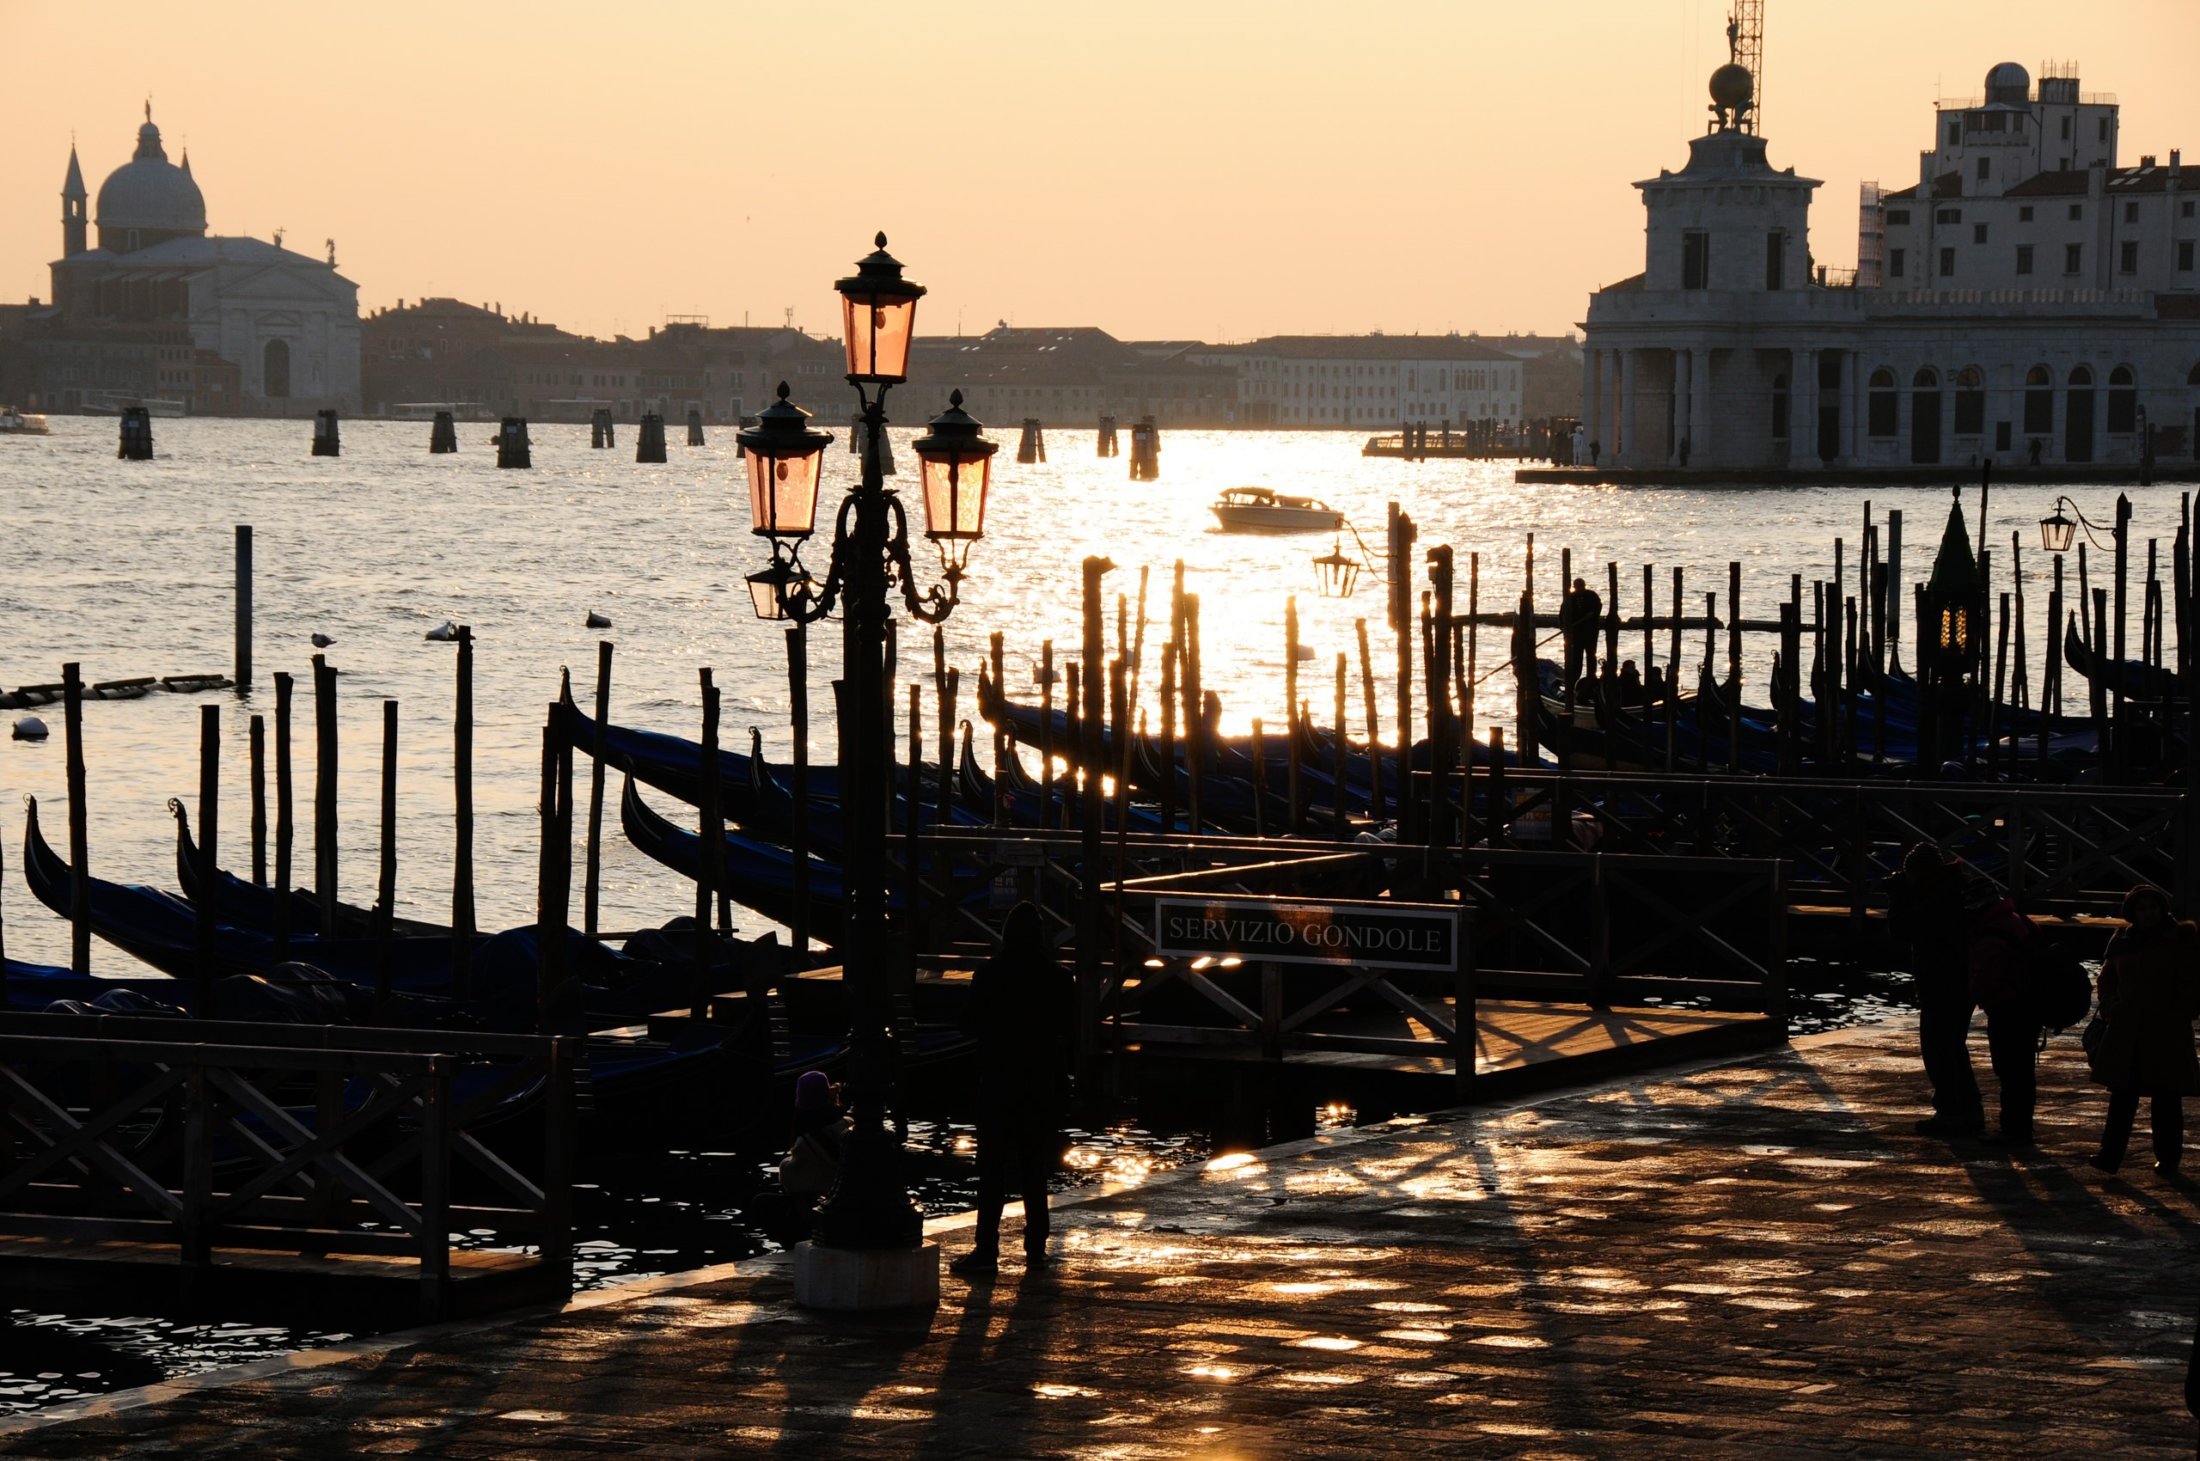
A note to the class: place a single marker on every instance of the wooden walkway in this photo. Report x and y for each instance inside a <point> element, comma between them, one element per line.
<point>1760,1258</point>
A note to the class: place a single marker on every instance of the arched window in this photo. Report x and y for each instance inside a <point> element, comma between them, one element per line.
<point>2123,401</point>
<point>2080,376</point>
<point>1926,378</point>
<point>1970,402</point>
<point>1780,407</point>
<point>2039,402</point>
<point>275,370</point>
<point>1882,414</point>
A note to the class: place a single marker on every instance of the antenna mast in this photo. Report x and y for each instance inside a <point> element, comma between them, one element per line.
<point>1745,46</point>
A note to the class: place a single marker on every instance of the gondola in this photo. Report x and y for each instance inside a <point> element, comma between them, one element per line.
<point>250,905</point>
<point>759,874</point>
<point>2141,681</point>
<point>161,930</point>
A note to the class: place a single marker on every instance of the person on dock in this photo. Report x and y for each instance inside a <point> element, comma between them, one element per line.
<point>1580,615</point>
<point>812,1163</point>
<point>1630,684</point>
<point>1020,1010</point>
<point>1962,936</point>
<point>2149,993</point>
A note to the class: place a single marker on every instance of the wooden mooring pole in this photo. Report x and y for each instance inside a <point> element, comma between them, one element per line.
<point>324,792</point>
<point>462,851</point>
<point>208,904</point>
<point>713,829</point>
<point>285,813</point>
<point>80,884</point>
<point>256,734</point>
<point>591,891</point>
<point>241,670</point>
<point>385,891</point>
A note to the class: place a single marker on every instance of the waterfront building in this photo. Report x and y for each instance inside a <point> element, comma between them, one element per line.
<point>156,307</point>
<point>1375,381</point>
<point>2029,300</point>
<point>1071,375</point>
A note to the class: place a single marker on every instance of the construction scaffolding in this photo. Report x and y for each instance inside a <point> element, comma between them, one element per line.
<point>1745,44</point>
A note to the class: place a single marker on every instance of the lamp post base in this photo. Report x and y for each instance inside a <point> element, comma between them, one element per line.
<point>866,1278</point>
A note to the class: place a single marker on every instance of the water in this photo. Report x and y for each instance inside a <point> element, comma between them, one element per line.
<point>126,567</point>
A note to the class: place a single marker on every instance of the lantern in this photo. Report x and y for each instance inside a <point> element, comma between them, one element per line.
<point>878,318</point>
<point>2057,532</point>
<point>1955,600</point>
<point>1335,574</point>
<point>771,588</point>
<point>785,456</point>
<point>957,462</point>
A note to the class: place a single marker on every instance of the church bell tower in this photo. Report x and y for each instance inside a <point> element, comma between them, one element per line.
<point>73,200</point>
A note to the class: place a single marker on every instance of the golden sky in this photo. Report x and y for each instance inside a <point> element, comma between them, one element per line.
<point>1211,168</point>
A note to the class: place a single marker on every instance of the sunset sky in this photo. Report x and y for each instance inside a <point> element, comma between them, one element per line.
<point>1209,169</point>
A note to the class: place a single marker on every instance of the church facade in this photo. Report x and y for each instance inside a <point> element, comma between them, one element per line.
<point>156,308</point>
<point>2029,302</point>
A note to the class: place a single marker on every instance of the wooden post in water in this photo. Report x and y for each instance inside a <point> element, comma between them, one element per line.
<point>649,441</point>
<point>1402,626</point>
<point>695,426</point>
<point>1046,817</point>
<point>549,930</point>
<point>713,881</point>
<point>2001,672</point>
<point>798,714</point>
<point>1090,904</point>
<point>1195,714</point>
<point>996,644</point>
<point>591,887</point>
<point>1673,680</point>
<point>1894,589</point>
<point>285,814</point>
<point>385,900</point>
<point>462,786</point>
<point>328,441</point>
<point>256,731</point>
<point>324,792</point>
<point>1374,725</point>
<point>1469,680</point>
<point>241,671</point>
<point>208,904</point>
<point>1260,780</point>
<point>1337,749</point>
<point>513,448</point>
<point>443,435</point>
<point>1734,666</point>
<point>1168,734</point>
<point>1293,806</point>
<point>1443,726</point>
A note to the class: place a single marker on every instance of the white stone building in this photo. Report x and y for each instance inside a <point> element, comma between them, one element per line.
<point>2029,300</point>
<point>286,322</point>
<point>1373,381</point>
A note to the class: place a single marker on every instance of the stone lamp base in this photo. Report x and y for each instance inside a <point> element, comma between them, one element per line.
<point>866,1278</point>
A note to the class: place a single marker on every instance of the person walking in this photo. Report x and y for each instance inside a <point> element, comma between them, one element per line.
<point>1966,941</point>
<point>2149,993</point>
<point>1580,615</point>
<point>1020,1011</point>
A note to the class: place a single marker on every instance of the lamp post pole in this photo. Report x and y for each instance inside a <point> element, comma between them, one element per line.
<point>869,1252</point>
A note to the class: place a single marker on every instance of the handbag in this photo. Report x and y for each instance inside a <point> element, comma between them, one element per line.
<point>2095,1035</point>
<point>808,1169</point>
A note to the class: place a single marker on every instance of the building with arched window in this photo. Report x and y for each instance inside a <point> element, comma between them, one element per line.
<point>159,309</point>
<point>1733,353</point>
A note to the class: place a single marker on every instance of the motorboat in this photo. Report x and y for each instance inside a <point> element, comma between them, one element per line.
<point>1259,510</point>
<point>16,423</point>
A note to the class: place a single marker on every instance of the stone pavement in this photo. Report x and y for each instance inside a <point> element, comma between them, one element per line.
<point>1753,1259</point>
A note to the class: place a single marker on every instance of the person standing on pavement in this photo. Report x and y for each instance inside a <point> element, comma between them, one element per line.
<point>1580,615</point>
<point>1021,1008</point>
<point>1966,941</point>
<point>2149,993</point>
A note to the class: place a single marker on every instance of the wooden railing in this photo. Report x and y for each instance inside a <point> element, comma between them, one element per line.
<point>284,1138</point>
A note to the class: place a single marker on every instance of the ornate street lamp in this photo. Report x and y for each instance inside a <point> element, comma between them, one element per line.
<point>2058,531</point>
<point>869,1251</point>
<point>1336,573</point>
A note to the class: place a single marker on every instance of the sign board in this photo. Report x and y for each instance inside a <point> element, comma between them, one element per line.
<point>1374,935</point>
<point>1020,854</point>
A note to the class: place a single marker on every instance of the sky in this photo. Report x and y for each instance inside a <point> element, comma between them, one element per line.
<point>1199,168</point>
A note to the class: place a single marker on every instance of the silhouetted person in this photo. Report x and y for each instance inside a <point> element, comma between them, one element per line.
<point>812,1163</point>
<point>1020,1011</point>
<point>1630,684</point>
<point>1996,935</point>
<point>2149,993</point>
<point>1925,912</point>
<point>2035,451</point>
<point>1653,686</point>
<point>1579,617</point>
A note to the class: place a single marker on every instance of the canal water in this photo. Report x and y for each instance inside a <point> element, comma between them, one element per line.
<point>126,568</point>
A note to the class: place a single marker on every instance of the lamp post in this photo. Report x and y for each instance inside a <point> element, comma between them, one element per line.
<point>870,1251</point>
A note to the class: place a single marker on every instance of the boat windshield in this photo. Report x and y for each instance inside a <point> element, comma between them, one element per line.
<point>1250,496</point>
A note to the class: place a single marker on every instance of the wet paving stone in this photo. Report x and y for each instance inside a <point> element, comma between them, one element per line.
<point>1759,1259</point>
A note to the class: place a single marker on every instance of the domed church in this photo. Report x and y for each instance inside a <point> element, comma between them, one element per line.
<point>160,308</point>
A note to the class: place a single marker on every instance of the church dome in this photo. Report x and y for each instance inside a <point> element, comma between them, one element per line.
<point>149,195</point>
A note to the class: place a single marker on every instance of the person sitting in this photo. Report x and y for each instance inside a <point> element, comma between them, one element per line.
<point>1630,683</point>
<point>812,1163</point>
<point>1653,687</point>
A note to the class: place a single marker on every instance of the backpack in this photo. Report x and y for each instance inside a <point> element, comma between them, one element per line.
<point>2053,982</point>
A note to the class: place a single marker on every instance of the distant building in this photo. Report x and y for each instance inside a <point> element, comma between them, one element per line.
<point>1070,375</point>
<point>159,308</point>
<point>2029,298</point>
<point>445,352</point>
<point>1373,380</point>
